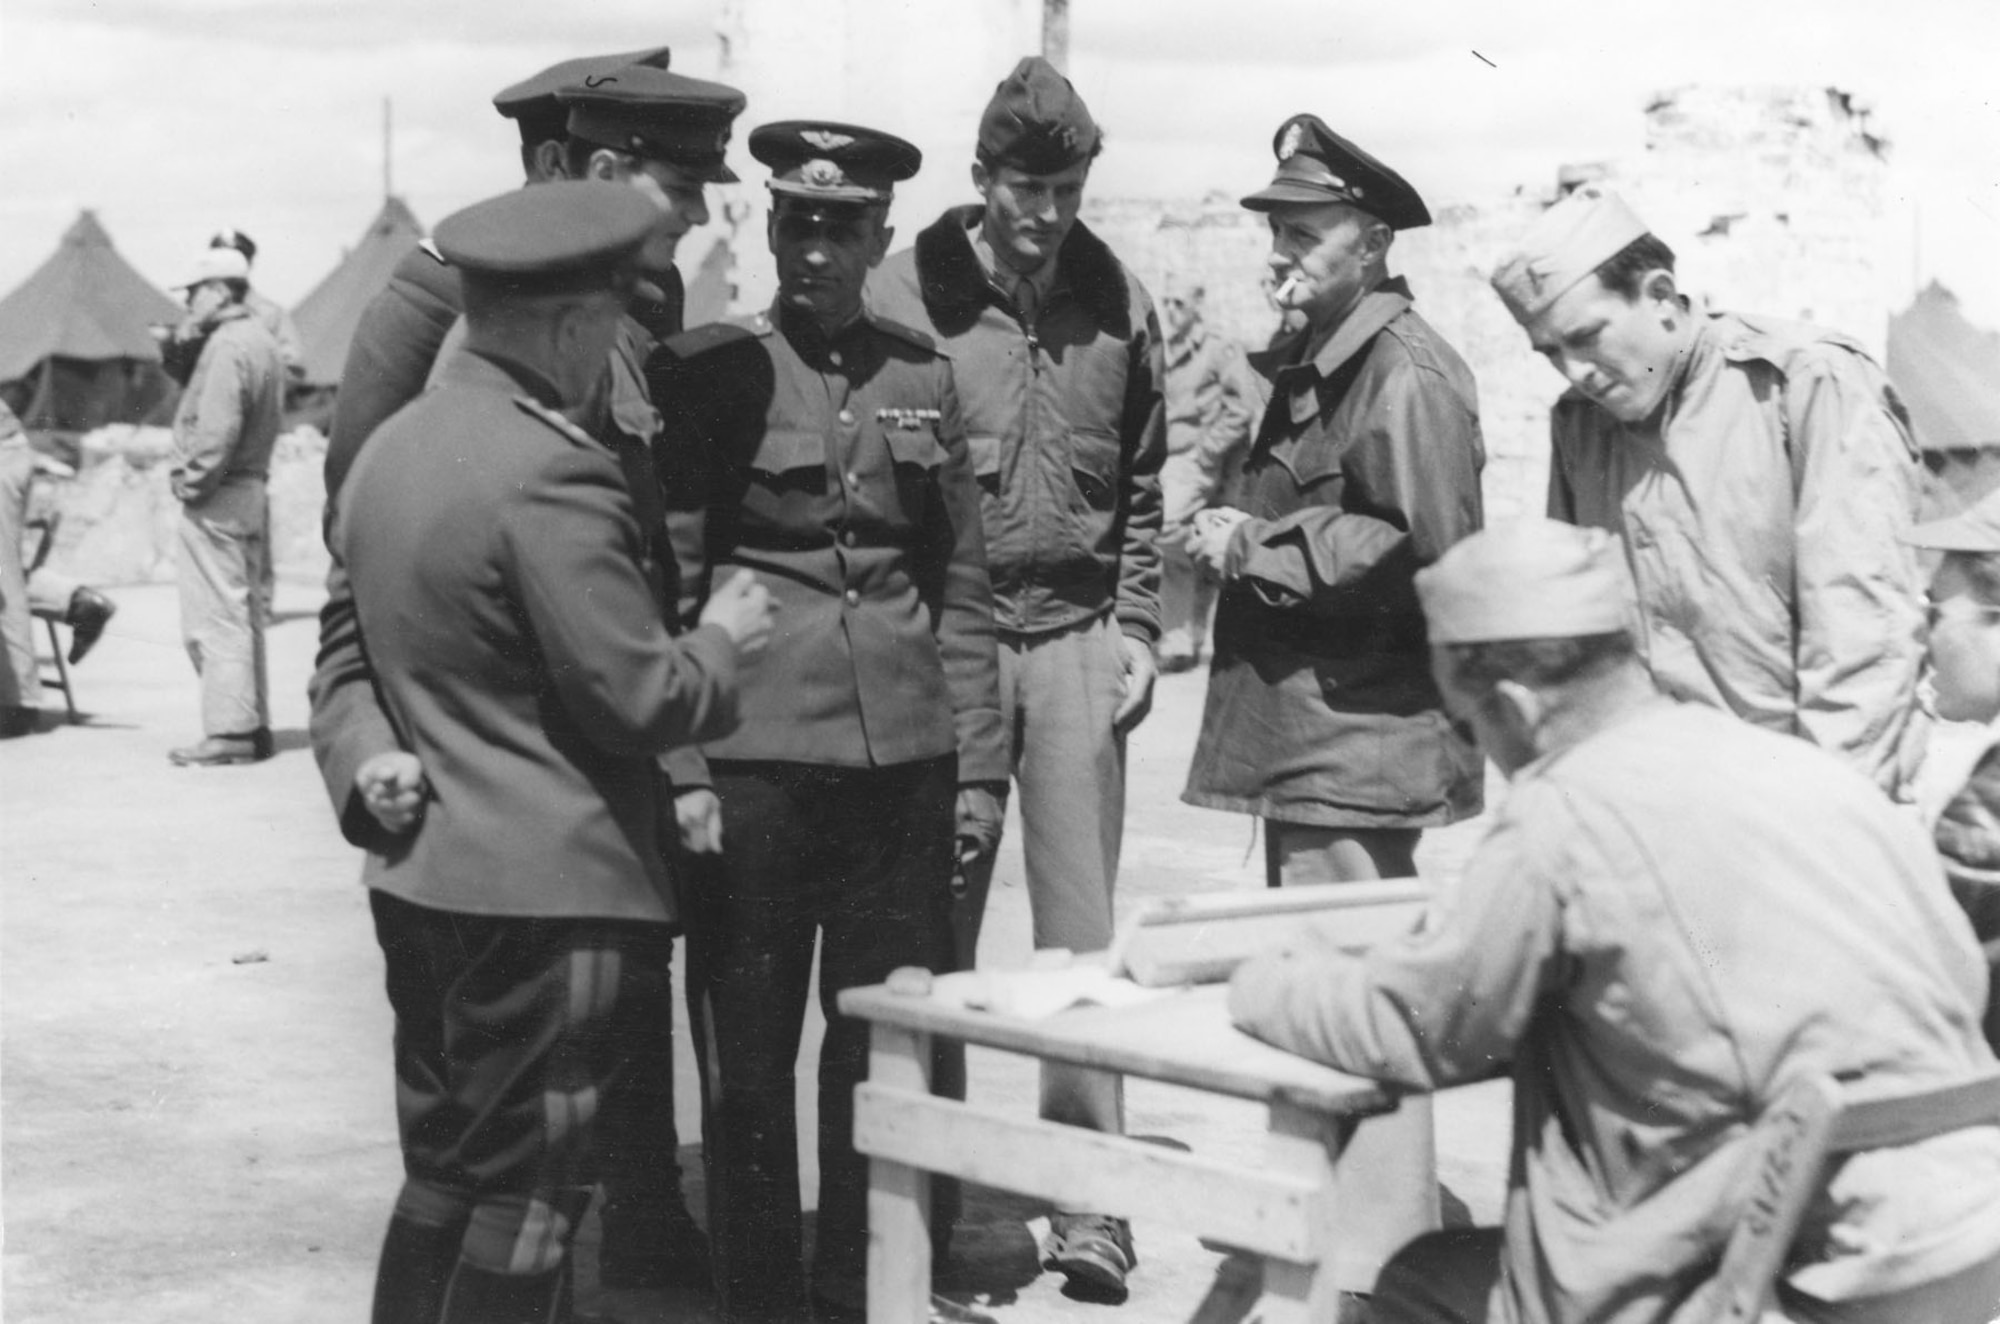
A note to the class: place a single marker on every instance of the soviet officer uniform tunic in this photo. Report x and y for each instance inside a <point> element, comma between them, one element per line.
<point>837,470</point>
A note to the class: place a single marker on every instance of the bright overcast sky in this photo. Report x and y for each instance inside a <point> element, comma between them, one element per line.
<point>173,118</point>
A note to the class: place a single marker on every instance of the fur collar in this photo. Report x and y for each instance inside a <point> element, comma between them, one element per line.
<point>955,287</point>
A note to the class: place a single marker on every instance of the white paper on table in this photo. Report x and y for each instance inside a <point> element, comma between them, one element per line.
<point>1034,994</point>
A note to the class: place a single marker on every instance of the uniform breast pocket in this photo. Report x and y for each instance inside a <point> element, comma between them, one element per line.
<point>786,475</point>
<point>1306,471</point>
<point>915,455</point>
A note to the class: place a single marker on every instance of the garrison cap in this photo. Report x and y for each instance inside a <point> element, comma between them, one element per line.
<point>1036,122</point>
<point>828,162</point>
<point>1975,529</point>
<point>1566,243</point>
<point>216,262</point>
<point>1317,166</point>
<point>653,113</point>
<point>534,98</point>
<point>1528,579</point>
<point>566,231</point>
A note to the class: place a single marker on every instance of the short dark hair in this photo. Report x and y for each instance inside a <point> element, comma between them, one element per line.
<point>1623,270</point>
<point>1537,663</point>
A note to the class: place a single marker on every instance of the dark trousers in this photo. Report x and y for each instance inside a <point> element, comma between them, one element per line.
<point>638,1144</point>
<point>859,859</point>
<point>503,1053</point>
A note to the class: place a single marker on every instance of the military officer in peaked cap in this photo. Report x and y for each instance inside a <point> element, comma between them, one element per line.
<point>623,117</point>
<point>1322,718</point>
<point>518,650</point>
<point>823,446</point>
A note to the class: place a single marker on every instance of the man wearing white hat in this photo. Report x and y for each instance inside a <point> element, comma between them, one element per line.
<point>224,430</point>
<point>1760,471</point>
<point>1673,918</point>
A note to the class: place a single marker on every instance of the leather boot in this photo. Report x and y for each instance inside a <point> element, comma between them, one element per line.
<point>88,613</point>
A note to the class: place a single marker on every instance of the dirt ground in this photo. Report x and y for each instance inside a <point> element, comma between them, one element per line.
<point>196,1112</point>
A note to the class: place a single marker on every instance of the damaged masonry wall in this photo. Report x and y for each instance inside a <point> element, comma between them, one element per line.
<point>1772,198</point>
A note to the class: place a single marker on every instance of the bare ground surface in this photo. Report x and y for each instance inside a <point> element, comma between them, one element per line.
<point>196,1114</point>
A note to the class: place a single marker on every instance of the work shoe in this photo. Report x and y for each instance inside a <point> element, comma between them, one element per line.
<point>1094,1251</point>
<point>215,751</point>
<point>653,1251</point>
<point>88,612</point>
<point>19,722</point>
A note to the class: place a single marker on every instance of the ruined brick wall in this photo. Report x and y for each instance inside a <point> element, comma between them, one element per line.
<point>1773,199</point>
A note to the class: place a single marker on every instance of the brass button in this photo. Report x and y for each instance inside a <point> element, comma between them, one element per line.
<point>848,538</point>
<point>847,415</point>
<point>854,597</point>
<point>834,357</point>
<point>854,480</point>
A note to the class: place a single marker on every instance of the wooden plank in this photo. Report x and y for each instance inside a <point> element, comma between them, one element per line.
<point>1184,1038</point>
<point>1277,1212</point>
<point>1388,1173</point>
<point>1298,1289</point>
<point>899,1196</point>
<point>1202,939</point>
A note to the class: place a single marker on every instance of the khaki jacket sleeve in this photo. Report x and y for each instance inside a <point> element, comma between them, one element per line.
<point>1230,405</point>
<point>1446,1004</point>
<point>1859,591</point>
<point>1144,434</point>
<point>1411,491</point>
<point>348,725</point>
<point>210,430</point>
<point>630,687</point>
<point>956,540</point>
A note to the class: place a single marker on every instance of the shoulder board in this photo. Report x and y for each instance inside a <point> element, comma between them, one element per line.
<point>535,409</point>
<point>711,337</point>
<point>431,248</point>
<point>905,333</point>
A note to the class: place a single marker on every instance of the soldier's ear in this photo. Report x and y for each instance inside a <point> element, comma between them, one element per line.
<point>545,160</point>
<point>885,234</point>
<point>982,179</point>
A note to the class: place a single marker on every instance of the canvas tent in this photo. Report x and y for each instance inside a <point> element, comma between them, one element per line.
<point>1948,372</point>
<point>75,351</point>
<point>326,318</point>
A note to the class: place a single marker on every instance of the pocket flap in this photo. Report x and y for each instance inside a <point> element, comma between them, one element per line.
<point>782,452</point>
<point>918,446</point>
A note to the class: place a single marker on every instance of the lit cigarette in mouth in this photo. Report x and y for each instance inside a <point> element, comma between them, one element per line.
<point>1288,287</point>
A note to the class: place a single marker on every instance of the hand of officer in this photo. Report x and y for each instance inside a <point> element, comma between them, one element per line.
<point>743,608</point>
<point>1136,656</point>
<point>393,788</point>
<point>698,815</point>
<point>1208,536</point>
<point>982,809</point>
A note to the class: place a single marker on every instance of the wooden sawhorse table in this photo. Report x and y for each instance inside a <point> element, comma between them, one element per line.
<point>1346,1177</point>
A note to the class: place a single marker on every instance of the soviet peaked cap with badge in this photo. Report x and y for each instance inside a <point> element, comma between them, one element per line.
<point>1317,166</point>
<point>819,161</point>
<point>567,234</point>
<point>1036,122</point>
<point>657,114</point>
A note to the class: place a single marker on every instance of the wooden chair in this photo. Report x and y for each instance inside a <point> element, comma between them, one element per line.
<point>50,618</point>
<point>1798,1136</point>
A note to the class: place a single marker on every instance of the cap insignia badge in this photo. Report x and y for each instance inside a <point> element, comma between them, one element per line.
<point>827,140</point>
<point>822,174</point>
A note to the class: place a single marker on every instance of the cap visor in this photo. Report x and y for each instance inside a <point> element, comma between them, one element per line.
<point>1288,193</point>
<point>846,196</point>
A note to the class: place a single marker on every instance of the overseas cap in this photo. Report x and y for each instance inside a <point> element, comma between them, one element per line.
<point>1036,122</point>
<point>215,264</point>
<point>1975,529</point>
<point>1317,166</point>
<point>830,162</point>
<point>1528,579</point>
<point>538,94</point>
<point>1566,243</point>
<point>564,229</point>
<point>662,116</point>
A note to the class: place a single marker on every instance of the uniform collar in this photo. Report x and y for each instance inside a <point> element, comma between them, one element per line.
<point>482,369</point>
<point>956,288</point>
<point>1379,307</point>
